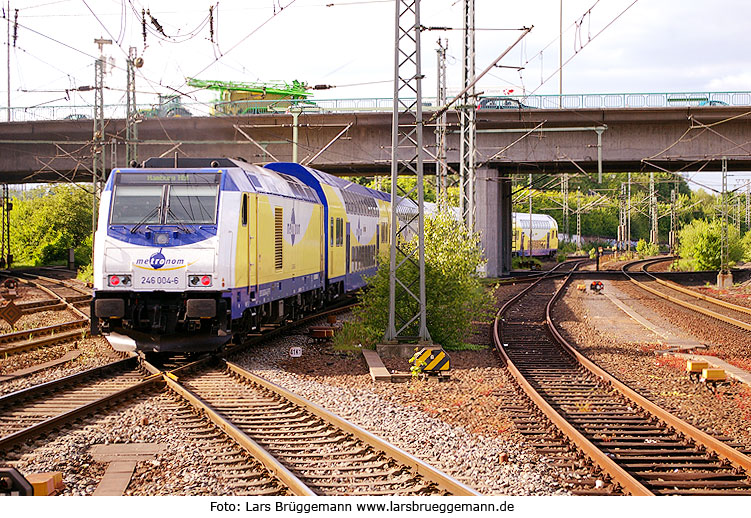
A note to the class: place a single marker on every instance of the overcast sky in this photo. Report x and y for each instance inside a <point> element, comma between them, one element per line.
<point>608,46</point>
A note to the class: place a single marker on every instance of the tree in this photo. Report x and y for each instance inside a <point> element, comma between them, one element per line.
<point>48,221</point>
<point>454,294</point>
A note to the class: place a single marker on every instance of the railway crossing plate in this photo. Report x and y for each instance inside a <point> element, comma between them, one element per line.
<point>10,313</point>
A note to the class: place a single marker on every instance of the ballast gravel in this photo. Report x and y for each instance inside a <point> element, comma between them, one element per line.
<point>181,469</point>
<point>497,464</point>
<point>95,352</point>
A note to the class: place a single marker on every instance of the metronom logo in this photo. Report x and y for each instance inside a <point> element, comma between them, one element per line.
<point>158,260</point>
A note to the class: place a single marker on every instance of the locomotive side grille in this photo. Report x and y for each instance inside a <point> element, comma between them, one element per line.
<point>278,238</point>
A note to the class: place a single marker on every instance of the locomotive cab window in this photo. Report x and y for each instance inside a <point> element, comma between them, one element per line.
<point>194,204</point>
<point>135,204</point>
<point>164,198</point>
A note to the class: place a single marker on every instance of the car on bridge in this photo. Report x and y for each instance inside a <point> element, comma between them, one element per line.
<point>502,103</point>
<point>713,102</point>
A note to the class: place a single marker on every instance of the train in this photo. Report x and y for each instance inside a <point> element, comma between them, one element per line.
<point>543,231</point>
<point>188,254</point>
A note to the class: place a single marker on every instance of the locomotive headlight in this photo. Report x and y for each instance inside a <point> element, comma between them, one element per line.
<point>199,280</point>
<point>118,280</point>
<point>161,238</point>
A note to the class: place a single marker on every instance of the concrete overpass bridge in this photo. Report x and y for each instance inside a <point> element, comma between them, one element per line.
<point>528,140</point>
<point>537,140</point>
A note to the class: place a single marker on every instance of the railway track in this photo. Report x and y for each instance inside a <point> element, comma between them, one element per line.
<point>644,449</point>
<point>21,341</point>
<point>312,451</point>
<point>27,413</point>
<point>65,297</point>
<point>64,294</point>
<point>733,314</point>
<point>263,438</point>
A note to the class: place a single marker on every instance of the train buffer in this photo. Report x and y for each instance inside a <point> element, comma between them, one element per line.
<point>431,360</point>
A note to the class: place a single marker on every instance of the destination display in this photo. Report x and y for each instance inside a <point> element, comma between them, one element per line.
<point>167,178</point>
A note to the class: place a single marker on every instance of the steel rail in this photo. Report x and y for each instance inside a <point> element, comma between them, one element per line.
<point>620,475</point>
<point>707,312</point>
<point>14,336</point>
<point>41,342</point>
<point>439,478</point>
<point>259,452</point>
<point>737,458</point>
<point>76,413</point>
<point>53,422</point>
<point>58,383</point>
<point>297,486</point>
<point>688,291</point>
<point>60,282</point>
<point>40,305</point>
<point>7,347</point>
<point>69,305</point>
<point>533,276</point>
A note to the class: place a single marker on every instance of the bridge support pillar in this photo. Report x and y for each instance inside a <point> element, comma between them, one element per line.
<point>493,220</point>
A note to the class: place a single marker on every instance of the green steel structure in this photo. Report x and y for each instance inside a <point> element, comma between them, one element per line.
<point>238,97</point>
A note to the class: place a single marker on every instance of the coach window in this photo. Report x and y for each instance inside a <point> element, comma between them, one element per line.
<point>339,232</point>
<point>245,210</point>
<point>331,233</point>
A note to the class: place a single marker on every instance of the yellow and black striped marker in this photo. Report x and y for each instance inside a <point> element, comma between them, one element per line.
<point>432,360</point>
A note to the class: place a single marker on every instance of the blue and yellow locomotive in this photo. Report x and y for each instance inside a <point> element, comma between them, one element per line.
<point>185,257</point>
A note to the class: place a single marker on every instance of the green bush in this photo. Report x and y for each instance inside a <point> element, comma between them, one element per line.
<point>700,241</point>
<point>644,249</point>
<point>86,273</point>
<point>83,251</point>
<point>454,294</point>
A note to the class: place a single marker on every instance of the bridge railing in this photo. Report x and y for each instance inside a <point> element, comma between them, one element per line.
<point>374,104</point>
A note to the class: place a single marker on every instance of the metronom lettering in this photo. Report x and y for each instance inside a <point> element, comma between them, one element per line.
<point>170,262</point>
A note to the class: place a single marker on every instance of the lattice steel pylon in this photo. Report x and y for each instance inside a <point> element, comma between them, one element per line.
<point>578,221</point>
<point>748,208</point>
<point>6,258</point>
<point>622,225</point>
<point>673,240</point>
<point>724,244</point>
<point>98,169</point>
<point>441,167</point>
<point>131,118</point>
<point>653,237</point>
<point>628,214</point>
<point>468,120</point>
<point>407,307</point>
<point>564,197</point>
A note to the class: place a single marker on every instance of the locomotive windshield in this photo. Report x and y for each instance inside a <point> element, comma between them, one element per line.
<point>133,203</point>
<point>165,198</point>
<point>194,204</point>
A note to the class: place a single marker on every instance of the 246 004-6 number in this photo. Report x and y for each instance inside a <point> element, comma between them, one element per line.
<point>158,280</point>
